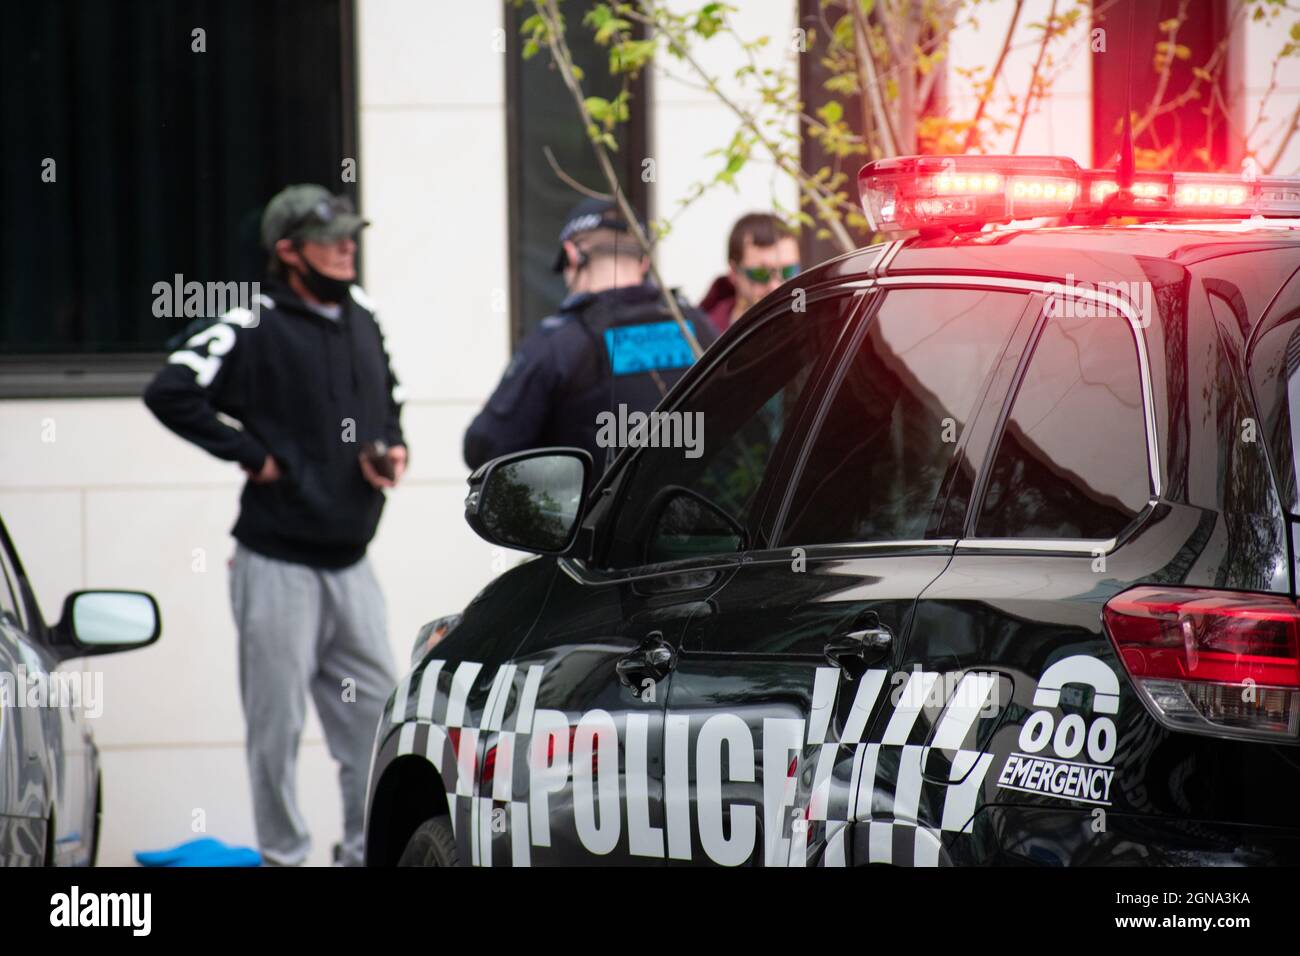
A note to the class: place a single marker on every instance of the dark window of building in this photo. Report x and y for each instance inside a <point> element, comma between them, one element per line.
<point>1073,461</point>
<point>162,160</point>
<point>877,464</point>
<point>541,116</point>
<point>1124,70</point>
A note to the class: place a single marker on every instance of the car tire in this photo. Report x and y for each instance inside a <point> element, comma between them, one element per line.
<point>432,844</point>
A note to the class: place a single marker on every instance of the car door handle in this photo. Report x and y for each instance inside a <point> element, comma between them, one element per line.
<point>652,661</point>
<point>856,650</point>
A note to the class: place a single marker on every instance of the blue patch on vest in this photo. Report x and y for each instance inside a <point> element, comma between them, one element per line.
<point>655,346</point>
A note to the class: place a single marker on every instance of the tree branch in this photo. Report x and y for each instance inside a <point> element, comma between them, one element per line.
<point>987,94</point>
<point>563,60</point>
<point>1049,28</point>
<point>569,180</point>
<point>812,190</point>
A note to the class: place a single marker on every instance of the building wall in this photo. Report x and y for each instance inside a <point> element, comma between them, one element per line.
<point>1261,42</point>
<point>116,501</point>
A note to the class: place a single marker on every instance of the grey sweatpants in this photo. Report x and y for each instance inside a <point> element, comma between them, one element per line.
<point>301,629</point>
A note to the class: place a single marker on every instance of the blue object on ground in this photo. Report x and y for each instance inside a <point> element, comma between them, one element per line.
<point>205,851</point>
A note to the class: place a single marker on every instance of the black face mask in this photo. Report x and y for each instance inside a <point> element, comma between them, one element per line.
<point>323,287</point>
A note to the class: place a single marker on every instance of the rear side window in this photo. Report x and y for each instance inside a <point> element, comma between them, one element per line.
<point>876,467</point>
<point>1072,461</point>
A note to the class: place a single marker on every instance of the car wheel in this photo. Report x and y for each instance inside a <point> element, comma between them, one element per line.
<point>432,844</point>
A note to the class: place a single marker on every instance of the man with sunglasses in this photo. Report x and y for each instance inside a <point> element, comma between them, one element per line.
<point>306,377</point>
<point>762,253</point>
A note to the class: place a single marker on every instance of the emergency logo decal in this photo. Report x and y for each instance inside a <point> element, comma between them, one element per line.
<point>1068,756</point>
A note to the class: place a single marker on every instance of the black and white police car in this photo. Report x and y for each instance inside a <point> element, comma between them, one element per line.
<point>989,557</point>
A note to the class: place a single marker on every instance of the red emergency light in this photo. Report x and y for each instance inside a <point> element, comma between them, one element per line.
<point>968,192</point>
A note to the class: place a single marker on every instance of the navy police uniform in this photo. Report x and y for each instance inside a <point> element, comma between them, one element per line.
<point>617,347</point>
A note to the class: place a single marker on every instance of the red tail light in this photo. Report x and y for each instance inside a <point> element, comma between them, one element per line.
<point>1211,661</point>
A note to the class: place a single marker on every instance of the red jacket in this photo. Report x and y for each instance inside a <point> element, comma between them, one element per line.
<point>718,303</point>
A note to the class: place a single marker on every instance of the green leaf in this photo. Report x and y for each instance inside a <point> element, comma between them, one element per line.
<point>831,112</point>
<point>598,16</point>
<point>598,108</point>
<point>630,55</point>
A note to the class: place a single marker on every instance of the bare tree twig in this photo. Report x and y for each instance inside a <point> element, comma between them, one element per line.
<point>1162,84</point>
<point>810,188</point>
<point>1049,28</point>
<point>1291,129</point>
<point>563,60</point>
<point>987,94</point>
<point>883,121</point>
<point>569,180</point>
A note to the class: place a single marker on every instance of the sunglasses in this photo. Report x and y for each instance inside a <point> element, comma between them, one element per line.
<point>762,274</point>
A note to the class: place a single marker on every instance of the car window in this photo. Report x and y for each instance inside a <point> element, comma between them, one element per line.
<point>875,469</point>
<point>700,498</point>
<point>1072,462</point>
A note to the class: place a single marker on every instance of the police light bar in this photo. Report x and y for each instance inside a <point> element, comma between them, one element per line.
<point>966,192</point>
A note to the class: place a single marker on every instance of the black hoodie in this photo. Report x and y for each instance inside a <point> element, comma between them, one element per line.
<point>309,390</point>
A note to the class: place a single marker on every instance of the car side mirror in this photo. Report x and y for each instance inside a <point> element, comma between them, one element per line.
<point>104,622</point>
<point>530,501</point>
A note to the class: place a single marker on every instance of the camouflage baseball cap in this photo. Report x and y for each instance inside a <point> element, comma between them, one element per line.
<point>310,212</point>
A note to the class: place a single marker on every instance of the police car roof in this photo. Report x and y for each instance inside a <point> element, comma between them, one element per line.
<point>1050,253</point>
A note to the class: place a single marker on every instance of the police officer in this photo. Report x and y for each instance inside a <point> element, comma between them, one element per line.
<point>613,342</point>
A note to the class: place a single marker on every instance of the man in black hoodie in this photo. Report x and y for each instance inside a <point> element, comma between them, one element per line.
<point>306,377</point>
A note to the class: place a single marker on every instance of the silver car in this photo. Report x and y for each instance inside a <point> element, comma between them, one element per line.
<point>50,786</point>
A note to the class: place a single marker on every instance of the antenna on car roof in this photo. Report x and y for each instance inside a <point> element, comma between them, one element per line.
<point>1124,168</point>
<point>1127,161</point>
